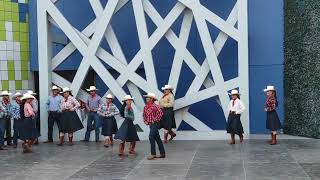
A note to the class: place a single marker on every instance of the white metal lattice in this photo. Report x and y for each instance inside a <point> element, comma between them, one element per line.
<point>100,28</point>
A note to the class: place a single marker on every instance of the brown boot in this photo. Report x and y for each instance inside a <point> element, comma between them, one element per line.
<point>70,140</point>
<point>273,141</point>
<point>106,143</point>
<point>111,141</point>
<point>241,138</point>
<point>166,138</point>
<point>233,141</point>
<point>61,139</point>
<point>121,149</point>
<point>132,147</point>
<point>173,135</point>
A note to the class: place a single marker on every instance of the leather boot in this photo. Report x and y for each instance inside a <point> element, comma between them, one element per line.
<point>132,148</point>
<point>166,138</point>
<point>173,135</point>
<point>121,149</point>
<point>61,139</point>
<point>273,141</point>
<point>233,141</point>
<point>70,140</point>
<point>111,141</point>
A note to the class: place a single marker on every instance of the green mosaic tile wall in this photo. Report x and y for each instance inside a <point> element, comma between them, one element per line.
<point>302,67</point>
<point>14,45</point>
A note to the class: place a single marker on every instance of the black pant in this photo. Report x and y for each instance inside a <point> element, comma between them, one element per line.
<point>155,137</point>
<point>16,125</point>
<point>53,117</point>
<point>8,130</point>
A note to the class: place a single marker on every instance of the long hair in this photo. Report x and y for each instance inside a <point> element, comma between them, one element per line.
<point>275,96</point>
<point>22,109</point>
<point>122,109</point>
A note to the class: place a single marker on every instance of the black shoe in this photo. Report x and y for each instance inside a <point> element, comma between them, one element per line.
<point>98,141</point>
<point>84,140</point>
<point>1,148</point>
<point>49,141</point>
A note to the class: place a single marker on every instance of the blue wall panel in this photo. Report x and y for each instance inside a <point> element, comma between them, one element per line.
<point>265,51</point>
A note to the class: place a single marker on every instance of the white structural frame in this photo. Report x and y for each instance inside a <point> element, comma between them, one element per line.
<point>48,15</point>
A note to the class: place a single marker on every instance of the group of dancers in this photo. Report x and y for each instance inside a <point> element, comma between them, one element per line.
<point>62,108</point>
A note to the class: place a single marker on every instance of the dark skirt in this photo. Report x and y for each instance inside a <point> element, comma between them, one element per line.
<point>168,121</point>
<point>70,122</point>
<point>127,132</point>
<point>109,126</point>
<point>27,129</point>
<point>234,125</point>
<point>273,121</point>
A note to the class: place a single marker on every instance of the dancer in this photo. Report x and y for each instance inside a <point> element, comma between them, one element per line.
<point>92,106</point>
<point>54,111</point>
<point>152,115</point>
<point>234,125</point>
<point>7,119</point>
<point>3,120</point>
<point>27,130</point>
<point>15,114</point>
<point>107,112</point>
<point>35,106</point>
<point>273,122</point>
<point>168,121</point>
<point>127,132</point>
<point>70,121</point>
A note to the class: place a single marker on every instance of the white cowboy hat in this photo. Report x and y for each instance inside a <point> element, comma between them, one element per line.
<point>234,92</point>
<point>66,89</point>
<point>55,88</point>
<point>167,87</point>
<point>5,93</point>
<point>127,97</point>
<point>269,88</point>
<point>109,96</point>
<point>31,92</point>
<point>17,94</point>
<point>150,95</point>
<point>27,96</point>
<point>92,88</point>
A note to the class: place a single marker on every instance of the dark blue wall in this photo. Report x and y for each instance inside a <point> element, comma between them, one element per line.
<point>265,51</point>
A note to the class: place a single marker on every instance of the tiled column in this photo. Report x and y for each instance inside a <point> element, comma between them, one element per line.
<point>14,45</point>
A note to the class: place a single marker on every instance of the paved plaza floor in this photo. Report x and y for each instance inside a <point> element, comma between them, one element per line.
<point>200,160</point>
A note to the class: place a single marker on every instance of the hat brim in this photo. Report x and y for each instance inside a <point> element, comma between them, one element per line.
<point>163,88</point>
<point>266,90</point>
<point>6,94</point>
<point>234,94</point>
<point>66,91</point>
<point>55,89</point>
<point>146,96</point>
<point>89,90</point>
<point>109,97</point>
<point>127,99</point>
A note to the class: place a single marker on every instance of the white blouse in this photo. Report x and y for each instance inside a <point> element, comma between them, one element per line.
<point>237,106</point>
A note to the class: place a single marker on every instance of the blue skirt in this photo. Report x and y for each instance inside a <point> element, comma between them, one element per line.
<point>127,132</point>
<point>168,121</point>
<point>273,122</point>
<point>27,129</point>
<point>234,125</point>
<point>109,126</point>
<point>70,122</point>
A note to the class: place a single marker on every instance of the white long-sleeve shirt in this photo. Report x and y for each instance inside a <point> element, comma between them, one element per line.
<point>236,106</point>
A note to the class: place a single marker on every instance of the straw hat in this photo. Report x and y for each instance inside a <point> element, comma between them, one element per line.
<point>27,96</point>
<point>269,88</point>
<point>150,95</point>
<point>55,88</point>
<point>66,89</point>
<point>92,88</point>
<point>167,87</point>
<point>31,92</point>
<point>234,92</point>
<point>109,96</point>
<point>5,93</point>
<point>127,97</point>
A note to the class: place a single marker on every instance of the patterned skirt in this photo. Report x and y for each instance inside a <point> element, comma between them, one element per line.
<point>27,129</point>
<point>109,126</point>
<point>168,121</point>
<point>127,132</point>
<point>234,125</point>
<point>70,122</point>
<point>273,122</point>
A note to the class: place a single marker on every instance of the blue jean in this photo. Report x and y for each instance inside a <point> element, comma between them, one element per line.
<point>155,137</point>
<point>93,117</point>
<point>2,130</point>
